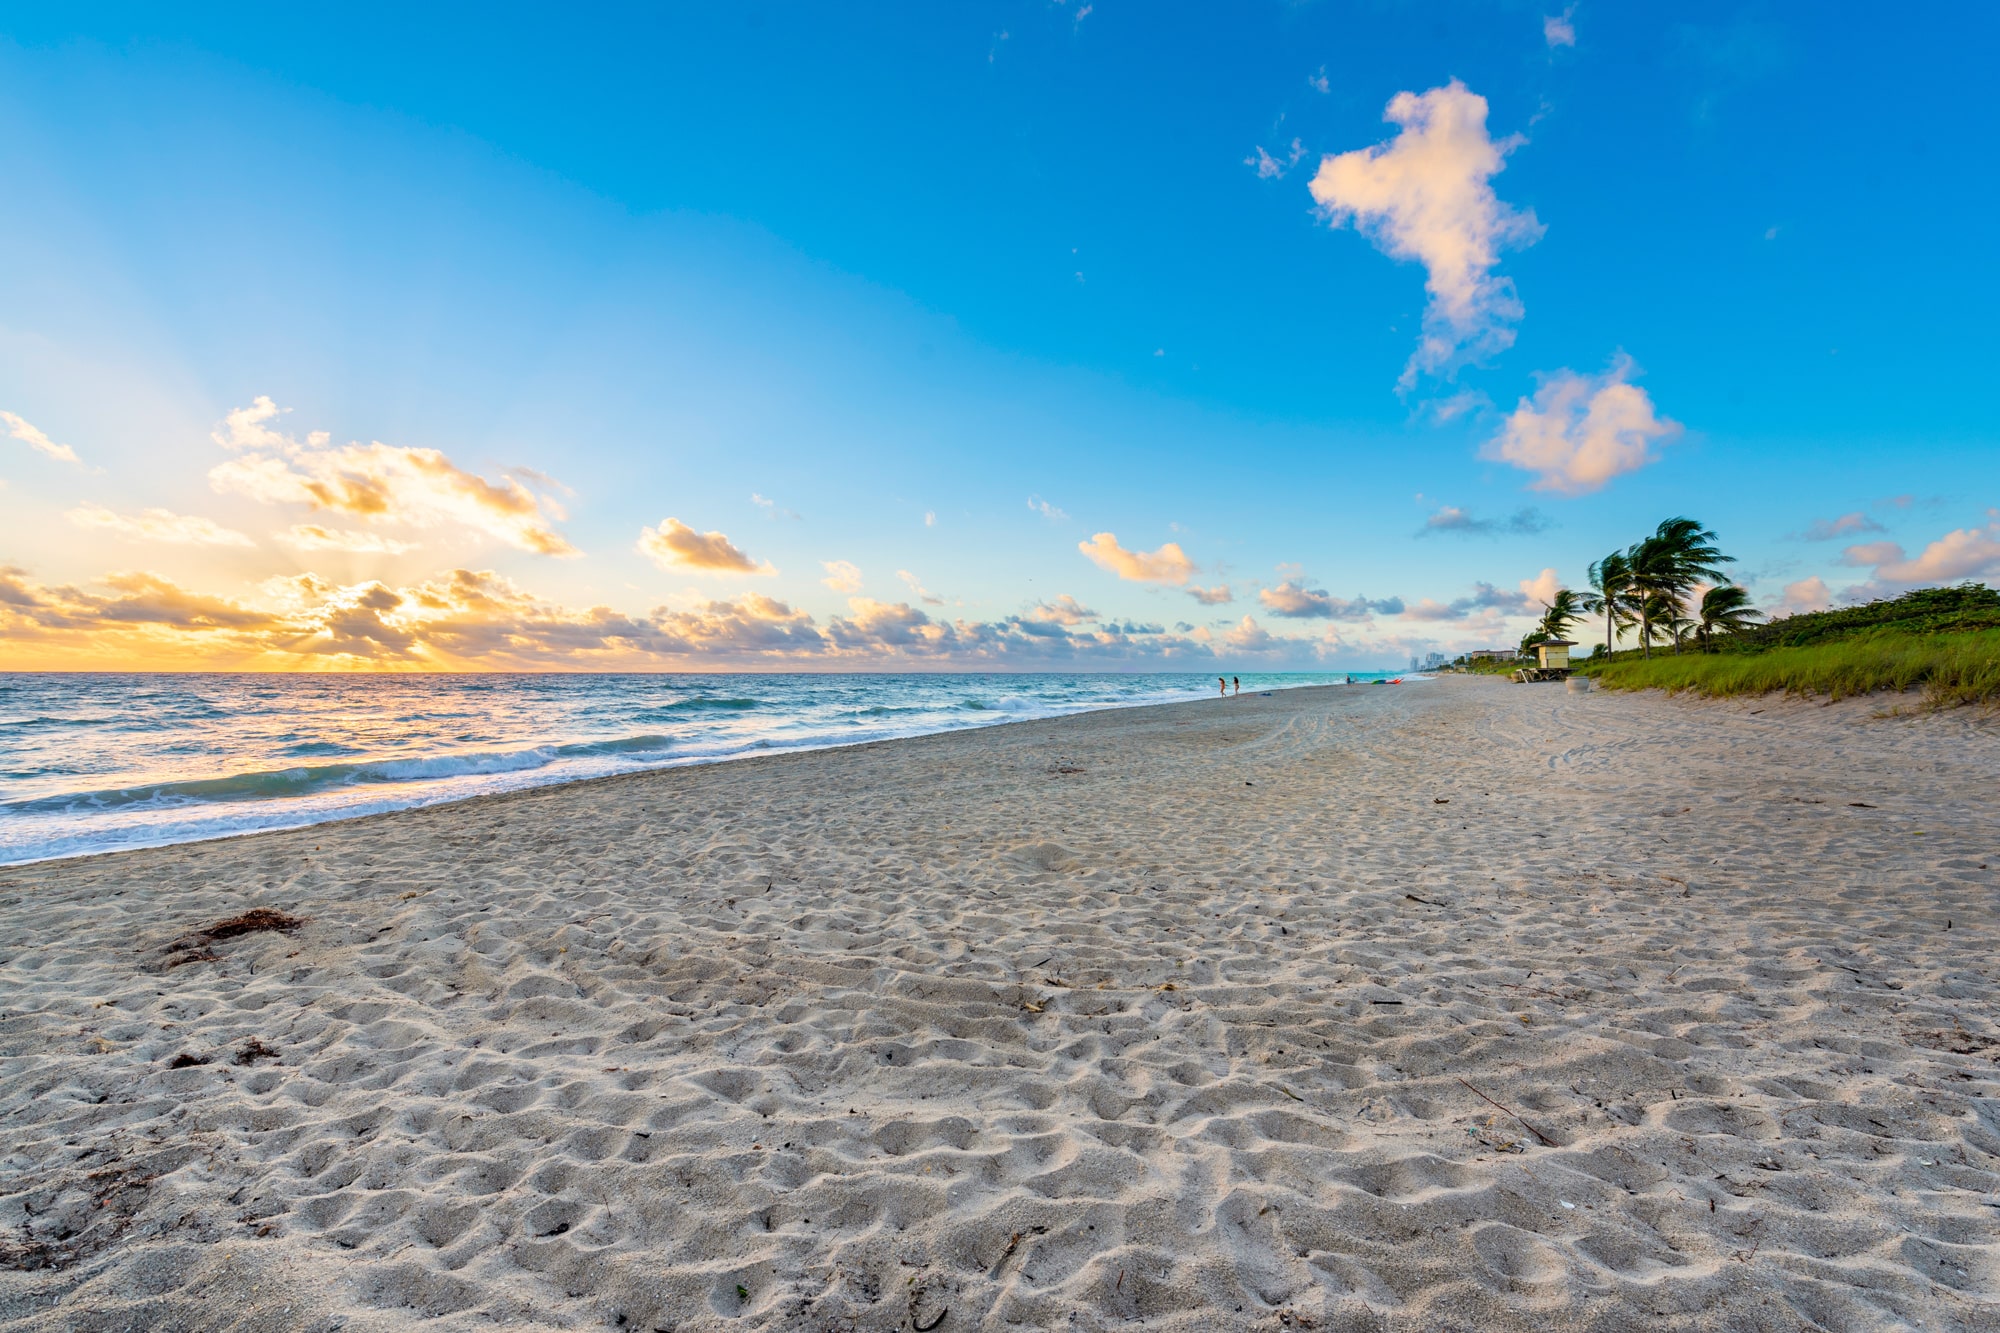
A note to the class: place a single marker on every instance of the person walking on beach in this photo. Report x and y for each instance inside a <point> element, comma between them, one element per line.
<point>1239,683</point>
<point>1221,686</point>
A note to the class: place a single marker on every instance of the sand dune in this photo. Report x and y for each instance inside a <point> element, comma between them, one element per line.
<point>1457,1005</point>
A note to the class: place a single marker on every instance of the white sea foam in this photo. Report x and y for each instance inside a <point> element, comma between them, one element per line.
<point>92,763</point>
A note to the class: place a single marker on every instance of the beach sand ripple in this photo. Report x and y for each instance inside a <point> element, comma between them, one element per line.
<point>1460,1005</point>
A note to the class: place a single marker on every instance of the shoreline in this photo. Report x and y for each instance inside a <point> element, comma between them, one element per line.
<point>522,780</point>
<point>1154,1013</point>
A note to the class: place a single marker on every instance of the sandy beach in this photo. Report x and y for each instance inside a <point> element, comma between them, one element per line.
<point>1457,1005</point>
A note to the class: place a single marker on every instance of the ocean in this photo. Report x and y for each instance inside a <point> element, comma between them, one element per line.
<point>95,763</point>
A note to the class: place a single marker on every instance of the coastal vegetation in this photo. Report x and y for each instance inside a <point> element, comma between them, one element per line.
<point>1670,590</point>
<point>1944,642</point>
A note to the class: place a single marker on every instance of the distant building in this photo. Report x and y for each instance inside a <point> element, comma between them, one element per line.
<point>1492,655</point>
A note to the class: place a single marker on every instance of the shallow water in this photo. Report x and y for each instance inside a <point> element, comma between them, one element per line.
<point>92,763</point>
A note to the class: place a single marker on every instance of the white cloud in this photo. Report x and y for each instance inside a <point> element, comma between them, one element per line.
<point>1318,82</point>
<point>923,594</point>
<point>930,518</point>
<point>1045,509</point>
<point>1558,30</point>
<point>314,537</point>
<point>1450,518</point>
<point>1249,637</point>
<point>772,509</point>
<point>158,525</point>
<point>1965,553</point>
<point>1487,604</point>
<point>1273,168</point>
<point>246,428</point>
<point>675,545</point>
<point>1542,588</point>
<point>1064,610</point>
<point>1846,525</point>
<point>1292,599</point>
<point>1580,431</point>
<point>1428,196</point>
<point>1169,564</point>
<point>27,433</point>
<point>377,483</point>
<point>1806,595</point>
<point>1219,595</point>
<point>841,575</point>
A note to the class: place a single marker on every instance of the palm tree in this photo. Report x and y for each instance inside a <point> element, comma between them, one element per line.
<point>1649,580</point>
<point>1610,582</point>
<point>1725,609</point>
<point>1666,566</point>
<point>1559,613</point>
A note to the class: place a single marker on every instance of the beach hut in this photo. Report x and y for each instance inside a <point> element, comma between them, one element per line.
<point>1553,653</point>
<point>1551,662</point>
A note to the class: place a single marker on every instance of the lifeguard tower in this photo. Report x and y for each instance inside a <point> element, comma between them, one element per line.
<point>1551,662</point>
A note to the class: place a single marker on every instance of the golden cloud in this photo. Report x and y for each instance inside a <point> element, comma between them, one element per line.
<point>313,537</point>
<point>1169,564</point>
<point>31,435</point>
<point>158,525</point>
<point>377,483</point>
<point>675,545</point>
<point>477,619</point>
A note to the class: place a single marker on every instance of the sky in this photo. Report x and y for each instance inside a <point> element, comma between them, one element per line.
<point>1025,335</point>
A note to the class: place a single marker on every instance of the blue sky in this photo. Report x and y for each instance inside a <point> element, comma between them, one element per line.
<point>904,275</point>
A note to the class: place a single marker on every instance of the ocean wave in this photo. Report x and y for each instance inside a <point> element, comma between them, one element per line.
<point>308,780</point>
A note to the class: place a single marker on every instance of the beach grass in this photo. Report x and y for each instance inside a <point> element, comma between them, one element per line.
<point>1951,669</point>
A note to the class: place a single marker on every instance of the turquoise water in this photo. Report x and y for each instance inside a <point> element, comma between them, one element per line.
<point>92,763</point>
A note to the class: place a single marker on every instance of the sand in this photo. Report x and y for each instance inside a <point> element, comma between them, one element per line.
<point>1458,1005</point>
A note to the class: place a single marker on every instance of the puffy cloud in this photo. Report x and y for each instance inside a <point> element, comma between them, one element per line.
<point>871,626</point>
<point>376,483</point>
<point>1247,636</point>
<point>1292,599</point>
<point>1486,602</point>
<point>675,545</point>
<point>1064,610</point>
<point>1580,431</point>
<point>1806,595</point>
<point>158,525</point>
<point>1558,30</point>
<point>137,603</point>
<point>1451,519</point>
<point>841,575</point>
<point>923,594</point>
<point>477,619</point>
<point>1169,564</point>
<point>1045,509</point>
<point>313,537</point>
<point>247,428</point>
<point>27,433</point>
<point>1428,196</point>
<point>1965,553</point>
<point>1540,589</point>
<point>1273,168</point>
<point>1846,525</point>
<point>1219,595</point>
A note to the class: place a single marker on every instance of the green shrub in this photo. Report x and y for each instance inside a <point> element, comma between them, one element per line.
<point>1950,668</point>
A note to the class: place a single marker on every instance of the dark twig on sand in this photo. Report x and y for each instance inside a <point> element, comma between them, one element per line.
<point>1546,1140</point>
